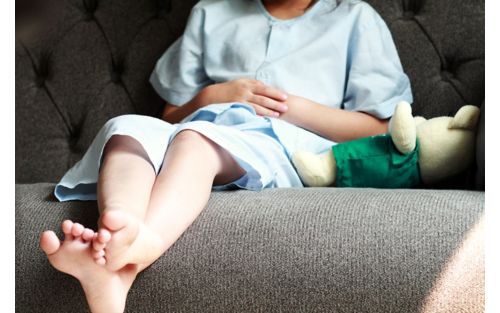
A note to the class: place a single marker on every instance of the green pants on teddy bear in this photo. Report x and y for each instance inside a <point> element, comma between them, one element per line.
<point>375,162</point>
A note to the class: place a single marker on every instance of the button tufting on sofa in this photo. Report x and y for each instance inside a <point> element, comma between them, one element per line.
<point>411,8</point>
<point>90,7</point>
<point>42,70</point>
<point>116,73</point>
<point>116,77</point>
<point>89,16</point>
<point>446,75</point>
<point>73,141</point>
<point>162,13</point>
<point>164,7</point>
<point>40,81</point>
<point>408,15</point>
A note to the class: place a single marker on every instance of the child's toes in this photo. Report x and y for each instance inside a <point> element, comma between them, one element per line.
<point>98,254</point>
<point>49,242</point>
<point>96,244</point>
<point>66,227</point>
<point>87,234</point>
<point>103,236</point>
<point>101,261</point>
<point>77,229</point>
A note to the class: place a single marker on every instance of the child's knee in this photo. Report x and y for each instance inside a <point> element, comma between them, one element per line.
<point>194,139</point>
<point>123,143</point>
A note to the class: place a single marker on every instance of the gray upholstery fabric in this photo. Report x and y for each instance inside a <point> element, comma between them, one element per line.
<point>282,250</point>
<point>90,60</point>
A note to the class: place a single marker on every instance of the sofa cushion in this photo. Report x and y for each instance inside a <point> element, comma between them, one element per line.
<point>295,250</point>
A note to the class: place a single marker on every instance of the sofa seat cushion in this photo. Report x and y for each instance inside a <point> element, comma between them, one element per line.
<point>296,250</point>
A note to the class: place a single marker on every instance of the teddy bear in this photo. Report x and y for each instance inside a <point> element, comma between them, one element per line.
<point>414,151</point>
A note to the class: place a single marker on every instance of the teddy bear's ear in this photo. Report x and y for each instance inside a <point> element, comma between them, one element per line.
<point>466,118</point>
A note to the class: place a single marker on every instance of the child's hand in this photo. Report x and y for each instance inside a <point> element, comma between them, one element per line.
<point>266,100</point>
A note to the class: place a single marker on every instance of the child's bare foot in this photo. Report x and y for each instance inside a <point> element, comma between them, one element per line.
<point>123,239</point>
<point>105,290</point>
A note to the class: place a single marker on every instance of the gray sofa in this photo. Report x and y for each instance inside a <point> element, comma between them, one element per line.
<point>82,62</point>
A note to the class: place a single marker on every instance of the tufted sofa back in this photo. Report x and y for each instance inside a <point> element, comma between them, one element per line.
<point>82,62</point>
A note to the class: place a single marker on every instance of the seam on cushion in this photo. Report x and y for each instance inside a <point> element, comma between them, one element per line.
<point>49,94</point>
<point>60,38</point>
<point>453,80</point>
<point>433,43</point>
<point>169,27</point>
<point>114,63</point>
<point>442,59</point>
<point>140,28</point>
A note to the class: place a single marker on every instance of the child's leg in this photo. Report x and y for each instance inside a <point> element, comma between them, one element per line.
<point>125,183</point>
<point>126,179</point>
<point>192,164</point>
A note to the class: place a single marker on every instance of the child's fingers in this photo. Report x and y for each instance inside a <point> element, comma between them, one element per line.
<point>270,92</point>
<point>268,103</point>
<point>262,111</point>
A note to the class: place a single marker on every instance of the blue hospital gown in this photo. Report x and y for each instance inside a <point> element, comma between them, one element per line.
<point>338,53</point>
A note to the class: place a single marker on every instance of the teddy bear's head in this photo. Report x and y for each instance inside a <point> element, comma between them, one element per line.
<point>447,144</point>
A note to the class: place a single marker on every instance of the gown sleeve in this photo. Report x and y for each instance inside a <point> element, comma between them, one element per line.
<point>179,74</point>
<point>376,82</point>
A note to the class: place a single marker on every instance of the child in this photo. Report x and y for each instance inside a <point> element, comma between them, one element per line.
<point>248,83</point>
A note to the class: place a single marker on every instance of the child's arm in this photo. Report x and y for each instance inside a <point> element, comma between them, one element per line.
<point>335,124</point>
<point>174,114</point>
<point>375,83</point>
<point>266,100</point>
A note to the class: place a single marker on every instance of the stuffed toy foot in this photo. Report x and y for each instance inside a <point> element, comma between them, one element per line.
<point>315,170</point>
<point>403,129</point>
